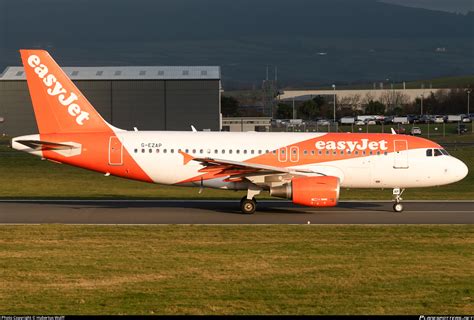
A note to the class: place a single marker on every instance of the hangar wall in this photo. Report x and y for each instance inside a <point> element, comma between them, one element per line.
<point>148,104</point>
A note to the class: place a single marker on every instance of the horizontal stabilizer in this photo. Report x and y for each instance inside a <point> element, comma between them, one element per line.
<point>45,145</point>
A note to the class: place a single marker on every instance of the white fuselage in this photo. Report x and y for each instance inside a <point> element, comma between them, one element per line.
<point>406,169</point>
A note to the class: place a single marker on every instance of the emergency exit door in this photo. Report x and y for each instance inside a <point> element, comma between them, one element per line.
<point>401,154</point>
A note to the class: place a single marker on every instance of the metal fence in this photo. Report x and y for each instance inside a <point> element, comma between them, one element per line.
<point>428,129</point>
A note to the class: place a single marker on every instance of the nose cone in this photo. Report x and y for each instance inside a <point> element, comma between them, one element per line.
<point>460,170</point>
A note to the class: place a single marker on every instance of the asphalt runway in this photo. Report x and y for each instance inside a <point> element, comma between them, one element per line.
<point>228,212</point>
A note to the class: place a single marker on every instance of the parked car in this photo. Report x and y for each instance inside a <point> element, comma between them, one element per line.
<point>415,131</point>
<point>438,119</point>
<point>413,118</point>
<point>388,119</point>
<point>370,122</point>
<point>322,122</point>
<point>359,123</point>
<point>425,119</point>
<point>462,129</point>
<point>466,119</point>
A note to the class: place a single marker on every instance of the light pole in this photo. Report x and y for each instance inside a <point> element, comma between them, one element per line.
<point>468,98</point>
<point>334,88</point>
<point>421,111</point>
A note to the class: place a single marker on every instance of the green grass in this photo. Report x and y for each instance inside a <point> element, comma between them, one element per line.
<point>58,269</point>
<point>26,176</point>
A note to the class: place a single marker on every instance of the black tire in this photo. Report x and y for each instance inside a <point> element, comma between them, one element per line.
<point>398,207</point>
<point>248,206</point>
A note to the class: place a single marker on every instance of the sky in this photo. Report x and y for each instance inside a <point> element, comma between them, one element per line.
<point>312,42</point>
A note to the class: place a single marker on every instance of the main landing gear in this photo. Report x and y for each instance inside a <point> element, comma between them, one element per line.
<point>397,197</point>
<point>248,204</point>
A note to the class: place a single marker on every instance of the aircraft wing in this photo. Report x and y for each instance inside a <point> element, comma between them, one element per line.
<point>237,167</point>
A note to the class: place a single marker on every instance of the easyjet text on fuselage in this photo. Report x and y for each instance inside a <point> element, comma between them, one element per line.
<point>352,146</point>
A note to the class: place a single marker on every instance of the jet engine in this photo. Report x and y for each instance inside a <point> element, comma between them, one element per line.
<point>320,191</point>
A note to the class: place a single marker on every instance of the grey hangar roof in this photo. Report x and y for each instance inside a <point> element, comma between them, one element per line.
<point>128,73</point>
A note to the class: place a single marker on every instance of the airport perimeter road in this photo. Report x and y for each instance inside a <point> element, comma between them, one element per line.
<point>227,212</point>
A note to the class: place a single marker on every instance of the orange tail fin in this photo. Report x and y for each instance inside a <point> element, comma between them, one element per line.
<point>59,106</point>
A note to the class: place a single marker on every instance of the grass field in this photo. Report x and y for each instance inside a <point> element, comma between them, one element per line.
<point>26,176</point>
<point>57,269</point>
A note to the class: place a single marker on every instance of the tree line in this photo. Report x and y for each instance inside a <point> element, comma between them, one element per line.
<point>453,101</point>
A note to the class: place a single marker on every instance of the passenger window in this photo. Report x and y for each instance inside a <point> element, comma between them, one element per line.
<point>194,150</point>
<point>305,152</point>
<point>230,151</point>
<point>252,152</point>
<point>357,152</point>
<point>245,151</point>
<point>429,152</point>
<point>164,150</point>
<point>259,151</point>
<point>223,151</point>
<point>274,152</point>
<point>136,150</point>
<point>157,150</point>
<point>143,150</point>
<point>349,152</point>
<point>378,153</point>
<point>172,151</point>
<point>437,153</point>
<point>312,152</point>
<point>327,152</point>
<point>201,151</point>
<point>237,151</point>
<point>342,152</point>
<point>216,151</point>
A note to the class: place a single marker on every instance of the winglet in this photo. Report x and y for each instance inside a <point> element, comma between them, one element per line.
<point>186,157</point>
<point>393,131</point>
<point>193,128</point>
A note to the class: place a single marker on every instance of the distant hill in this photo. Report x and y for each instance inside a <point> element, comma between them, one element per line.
<point>311,42</point>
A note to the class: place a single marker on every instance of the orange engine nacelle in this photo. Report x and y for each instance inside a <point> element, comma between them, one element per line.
<point>310,191</point>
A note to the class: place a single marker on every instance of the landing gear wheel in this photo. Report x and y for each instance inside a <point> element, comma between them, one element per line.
<point>397,197</point>
<point>398,207</point>
<point>248,206</point>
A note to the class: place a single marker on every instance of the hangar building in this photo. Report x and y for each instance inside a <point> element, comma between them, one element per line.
<point>149,98</point>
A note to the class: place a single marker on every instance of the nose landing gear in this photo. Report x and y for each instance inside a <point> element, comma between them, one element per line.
<point>397,197</point>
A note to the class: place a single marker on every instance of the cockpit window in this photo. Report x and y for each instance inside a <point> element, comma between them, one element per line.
<point>437,152</point>
<point>429,152</point>
<point>444,152</point>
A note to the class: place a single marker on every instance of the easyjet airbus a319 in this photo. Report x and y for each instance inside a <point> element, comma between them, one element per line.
<point>308,168</point>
